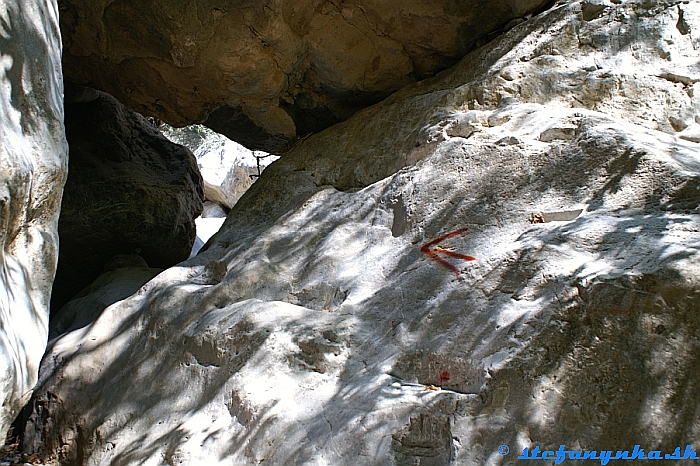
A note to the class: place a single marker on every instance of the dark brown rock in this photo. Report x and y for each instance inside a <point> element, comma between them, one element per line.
<point>263,72</point>
<point>129,190</point>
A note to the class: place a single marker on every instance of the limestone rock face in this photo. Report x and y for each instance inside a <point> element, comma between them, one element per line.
<point>124,276</point>
<point>129,190</point>
<point>262,72</point>
<point>33,163</point>
<point>338,317</point>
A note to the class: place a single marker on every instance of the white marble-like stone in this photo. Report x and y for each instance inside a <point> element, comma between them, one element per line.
<point>319,327</point>
<point>33,164</point>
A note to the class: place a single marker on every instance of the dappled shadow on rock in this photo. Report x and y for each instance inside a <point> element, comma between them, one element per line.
<point>559,332</point>
<point>33,161</point>
<point>334,335</point>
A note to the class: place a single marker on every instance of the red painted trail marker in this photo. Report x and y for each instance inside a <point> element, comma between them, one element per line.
<point>444,377</point>
<point>433,253</point>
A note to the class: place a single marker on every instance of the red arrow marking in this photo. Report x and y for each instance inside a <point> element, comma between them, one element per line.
<point>433,253</point>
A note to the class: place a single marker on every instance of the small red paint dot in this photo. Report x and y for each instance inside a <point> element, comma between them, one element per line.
<point>444,377</point>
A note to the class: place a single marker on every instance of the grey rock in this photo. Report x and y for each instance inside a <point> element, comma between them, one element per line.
<point>336,337</point>
<point>213,210</point>
<point>691,133</point>
<point>74,93</point>
<point>125,260</point>
<point>33,165</point>
<point>114,285</point>
<point>563,132</point>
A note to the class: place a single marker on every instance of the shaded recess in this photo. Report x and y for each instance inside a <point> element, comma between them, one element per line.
<point>270,71</point>
<point>129,190</point>
<point>233,123</point>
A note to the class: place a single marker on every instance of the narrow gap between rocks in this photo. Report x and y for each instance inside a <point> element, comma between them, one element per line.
<point>228,170</point>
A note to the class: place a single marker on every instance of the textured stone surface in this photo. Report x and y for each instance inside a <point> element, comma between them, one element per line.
<point>33,163</point>
<point>317,327</point>
<point>129,190</point>
<point>125,274</point>
<point>269,70</point>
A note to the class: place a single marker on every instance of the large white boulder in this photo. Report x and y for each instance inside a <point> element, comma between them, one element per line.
<point>33,162</point>
<point>338,317</point>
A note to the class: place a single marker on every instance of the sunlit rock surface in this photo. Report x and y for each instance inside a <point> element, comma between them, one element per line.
<point>33,163</point>
<point>337,317</point>
<point>263,72</point>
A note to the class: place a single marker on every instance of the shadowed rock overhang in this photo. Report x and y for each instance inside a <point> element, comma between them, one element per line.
<point>266,72</point>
